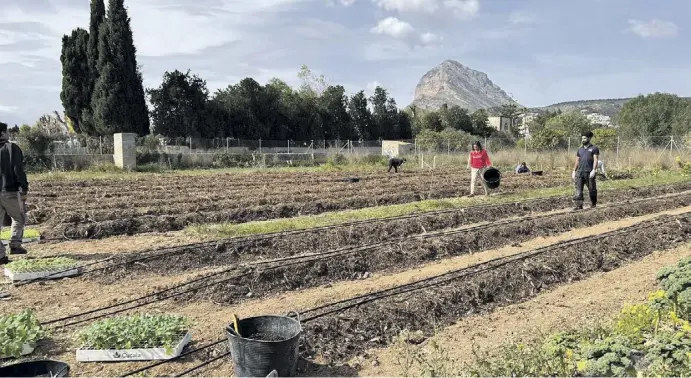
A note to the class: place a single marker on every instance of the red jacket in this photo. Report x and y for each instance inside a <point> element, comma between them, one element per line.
<point>479,159</point>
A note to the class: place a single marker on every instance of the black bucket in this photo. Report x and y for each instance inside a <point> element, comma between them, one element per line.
<point>44,368</point>
<point>275,347</point>
<point>491,176</point>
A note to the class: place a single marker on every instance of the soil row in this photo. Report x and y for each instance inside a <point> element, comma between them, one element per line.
<point>77,224</point>
<point>339,336</point>
<point>394,257</point>
<point>234,251</point>
<point>159,202</point>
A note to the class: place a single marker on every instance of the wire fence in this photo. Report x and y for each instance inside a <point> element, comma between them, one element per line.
<point>76,152</point>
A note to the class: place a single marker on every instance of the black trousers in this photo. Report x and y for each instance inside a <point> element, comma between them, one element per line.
<point>583,179</point>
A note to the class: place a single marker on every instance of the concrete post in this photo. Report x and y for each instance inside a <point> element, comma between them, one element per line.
<point>125,150</point>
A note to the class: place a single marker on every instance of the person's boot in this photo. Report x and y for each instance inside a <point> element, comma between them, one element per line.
<point>4,260</point>
<point>17,251</point>
<point>593,202</point>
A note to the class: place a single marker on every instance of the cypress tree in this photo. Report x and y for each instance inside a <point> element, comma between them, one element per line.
<point>98,17</point>
<point>118,101</point>
<point>75,95</point>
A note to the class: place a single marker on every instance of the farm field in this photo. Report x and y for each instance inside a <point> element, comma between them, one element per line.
<point>107,207</point>
<point>357,280</point>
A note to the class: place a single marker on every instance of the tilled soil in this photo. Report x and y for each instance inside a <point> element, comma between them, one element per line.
<point>155,208</point>
<point>258,282</point>
<point>357,234</point>
<point>335,337</point>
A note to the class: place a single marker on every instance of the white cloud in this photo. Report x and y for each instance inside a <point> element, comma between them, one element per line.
<point>463,9</point>
<point>347,3</point>
<point>653,29</point>
<point>372,85</point>
<point>428,6</point>
<point>8,109</point>
<point>394,27</point>
<point>430,38</point>
<point>522,18</point>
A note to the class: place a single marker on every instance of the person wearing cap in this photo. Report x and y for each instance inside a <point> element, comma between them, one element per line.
<point>584,171</point>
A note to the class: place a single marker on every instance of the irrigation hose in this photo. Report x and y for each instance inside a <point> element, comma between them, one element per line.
<point>448,277</point>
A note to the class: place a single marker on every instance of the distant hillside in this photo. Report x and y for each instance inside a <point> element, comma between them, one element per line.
<point>609,107</point>
<point>452,83</point>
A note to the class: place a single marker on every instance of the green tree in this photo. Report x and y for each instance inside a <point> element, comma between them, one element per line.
<point>571,124</point>
<point>605,138</point>
<point>312,85</point>
<point>548,138</point>
<point>653,118</point>
<point>456,118</point>
<point>118,101</point>
<point>75,77</point>
<point>96,19</point>
<point>337,122</point>
<point>432,121</point>
<point>361,115</point>
<point>540,121</point>
<point>481,123</point>
<point>381,120</point>
<point>179,106</point>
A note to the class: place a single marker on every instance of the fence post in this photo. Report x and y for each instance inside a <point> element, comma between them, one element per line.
<point>568,149</point>
<point>260,146</point>
<point>288,145</point>
<point>100,144</point>
<point>226,144</point>
<point>617,151</point>
<point>525,146</point>
<point>190,144</point>
<point>448,147</point>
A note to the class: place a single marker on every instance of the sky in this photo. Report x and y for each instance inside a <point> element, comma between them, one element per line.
<point>539,51</point>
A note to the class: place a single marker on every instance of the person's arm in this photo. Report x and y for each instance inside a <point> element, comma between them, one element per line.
<point>470,157</point>
<point>18,162</point>
<point>596,156</point>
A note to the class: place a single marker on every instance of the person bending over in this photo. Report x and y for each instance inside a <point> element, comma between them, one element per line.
<point>395,163</point>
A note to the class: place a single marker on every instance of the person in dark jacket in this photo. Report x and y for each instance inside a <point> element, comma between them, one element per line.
<point>584,171</point>
<point>395,163</point>
<point>12,192</point>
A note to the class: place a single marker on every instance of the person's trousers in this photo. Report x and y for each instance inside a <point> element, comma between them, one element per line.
<point>11,204</point>
<point>474,175</point>
<point>583,179</point>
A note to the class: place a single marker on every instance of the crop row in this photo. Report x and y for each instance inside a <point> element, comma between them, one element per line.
<point>281,245</point>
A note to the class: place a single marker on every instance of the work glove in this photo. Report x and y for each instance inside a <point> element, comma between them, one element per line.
<point>573,175</point>
<point>592,173</point>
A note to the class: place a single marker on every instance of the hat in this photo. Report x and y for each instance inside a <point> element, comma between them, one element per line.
<point>587,134</point>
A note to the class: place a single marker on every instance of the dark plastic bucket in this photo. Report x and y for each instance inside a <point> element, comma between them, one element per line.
<point>44,368</point>
<point>491,176</point>
<point>278,351</point>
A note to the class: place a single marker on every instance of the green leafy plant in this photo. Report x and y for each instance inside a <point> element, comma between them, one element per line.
<point>51,264</point>
<point>28,234</point>
<point>138,331</point>
<point>19,329</point>
<point>606,358</point>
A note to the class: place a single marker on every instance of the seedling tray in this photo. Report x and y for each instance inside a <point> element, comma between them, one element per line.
<point>137,354</point>
<point>52,274</point>
<point>27,348</point>
<point>25,240</point>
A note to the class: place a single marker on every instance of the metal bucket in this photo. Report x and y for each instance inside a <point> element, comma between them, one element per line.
<point>264,344</point>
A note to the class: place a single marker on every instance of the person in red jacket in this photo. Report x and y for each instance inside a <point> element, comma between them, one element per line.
<point>478,160</point>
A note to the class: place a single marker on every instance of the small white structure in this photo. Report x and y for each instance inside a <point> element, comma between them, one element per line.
<point>125,154</point>
<point>394,148</point>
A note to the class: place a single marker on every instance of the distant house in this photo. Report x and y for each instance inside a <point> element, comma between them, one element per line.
<point>500,123</point>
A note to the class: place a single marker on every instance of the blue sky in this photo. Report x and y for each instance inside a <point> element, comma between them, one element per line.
<point>540,51</point>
